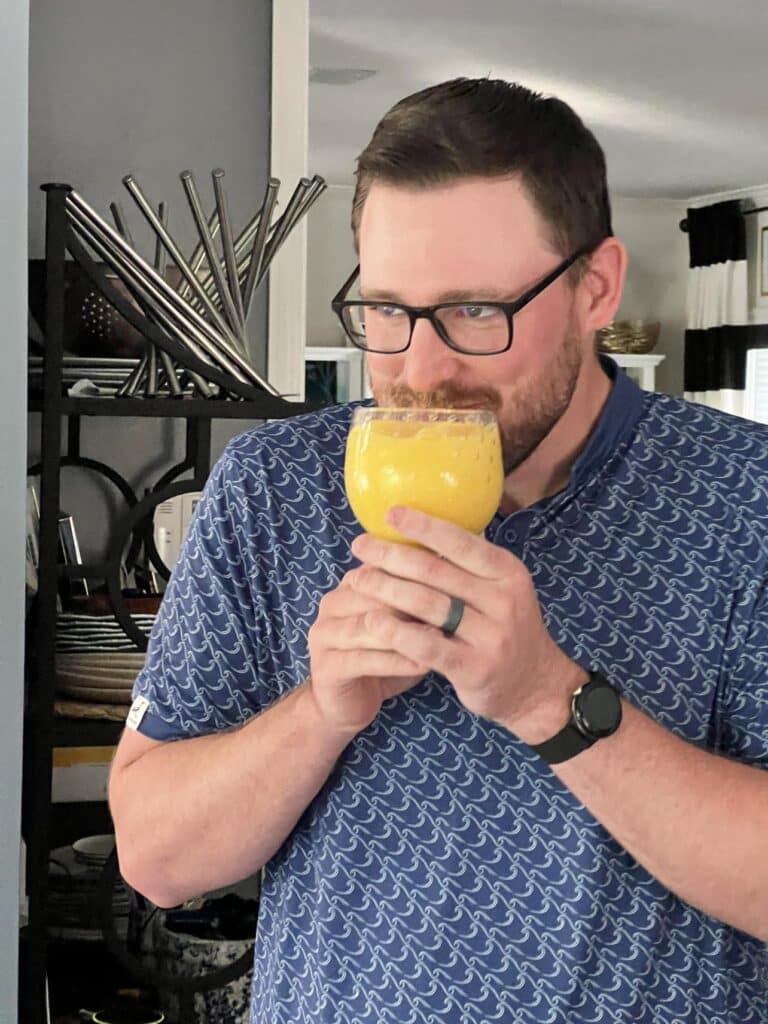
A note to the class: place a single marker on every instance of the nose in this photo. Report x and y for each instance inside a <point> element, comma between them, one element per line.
<point>429,362</point>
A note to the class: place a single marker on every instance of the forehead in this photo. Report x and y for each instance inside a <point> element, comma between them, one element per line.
<point>482,231</point>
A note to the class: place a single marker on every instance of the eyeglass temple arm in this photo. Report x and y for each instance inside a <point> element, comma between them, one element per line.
<point>339,296</point>
<point>561,268</point>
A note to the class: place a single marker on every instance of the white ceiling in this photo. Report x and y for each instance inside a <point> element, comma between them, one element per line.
<point>676,91</point>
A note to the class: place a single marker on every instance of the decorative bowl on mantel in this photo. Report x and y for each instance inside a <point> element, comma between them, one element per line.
<point>635,336</point>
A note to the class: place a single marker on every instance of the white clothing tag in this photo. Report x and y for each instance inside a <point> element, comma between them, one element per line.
<point>137,712</point>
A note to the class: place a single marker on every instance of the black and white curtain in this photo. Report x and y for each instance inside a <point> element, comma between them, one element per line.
<point>716,338</point>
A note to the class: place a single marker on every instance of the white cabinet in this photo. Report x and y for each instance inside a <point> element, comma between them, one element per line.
<point>349,381</point>
<point>640,368</point>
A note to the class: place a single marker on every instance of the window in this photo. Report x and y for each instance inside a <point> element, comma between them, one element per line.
<point>756,389</point>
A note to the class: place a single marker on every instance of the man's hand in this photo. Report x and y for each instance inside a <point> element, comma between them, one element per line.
<point>640,783</point>
<point>352,671</point>
<point>501,661</point>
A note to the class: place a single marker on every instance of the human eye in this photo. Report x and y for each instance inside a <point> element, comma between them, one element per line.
<point>384,310</point>
<point>475,312</point>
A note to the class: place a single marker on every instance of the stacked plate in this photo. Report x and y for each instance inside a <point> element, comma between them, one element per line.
<point>98,677</point>
<point>96,665</point>
<point>74,873</point>
<point>96,632</point>
<point>93,851</point>
<point>108,374</point>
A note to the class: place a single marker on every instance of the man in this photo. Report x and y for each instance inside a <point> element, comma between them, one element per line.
<point>516,777</point>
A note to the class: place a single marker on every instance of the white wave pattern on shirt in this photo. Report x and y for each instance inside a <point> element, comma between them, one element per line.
<point>443,873</point>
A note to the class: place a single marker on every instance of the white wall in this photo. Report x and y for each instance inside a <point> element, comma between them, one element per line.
<point>14,19</point>
<point>655,287</point>
<point>657,272</point>
<point>330,260</point>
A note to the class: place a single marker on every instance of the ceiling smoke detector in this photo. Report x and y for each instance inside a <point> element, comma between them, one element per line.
<point>339,76</point>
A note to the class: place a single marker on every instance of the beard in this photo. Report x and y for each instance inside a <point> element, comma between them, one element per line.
<point>528,412</point>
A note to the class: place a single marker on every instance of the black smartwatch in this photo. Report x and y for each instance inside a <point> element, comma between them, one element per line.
<point>595,713</point>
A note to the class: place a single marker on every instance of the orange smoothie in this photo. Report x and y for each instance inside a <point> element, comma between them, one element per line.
<point>451,468</point>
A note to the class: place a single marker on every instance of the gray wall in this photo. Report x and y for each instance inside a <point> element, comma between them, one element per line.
<point>331,258</point>
<point>13,211</point>
<point>657,276</point>
<point>149,88</point>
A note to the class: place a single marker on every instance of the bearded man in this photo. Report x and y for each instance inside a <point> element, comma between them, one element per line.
<point>516,776</point>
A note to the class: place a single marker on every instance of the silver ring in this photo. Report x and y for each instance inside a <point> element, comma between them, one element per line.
<point>453,618</point>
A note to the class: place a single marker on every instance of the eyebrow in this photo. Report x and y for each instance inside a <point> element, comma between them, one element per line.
<point>457,295</point>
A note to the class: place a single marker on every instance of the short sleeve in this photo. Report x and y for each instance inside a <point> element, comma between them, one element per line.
<point>744,708</point>
<point>201,672</point>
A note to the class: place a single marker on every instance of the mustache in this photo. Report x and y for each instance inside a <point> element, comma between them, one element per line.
<point>445,396</point>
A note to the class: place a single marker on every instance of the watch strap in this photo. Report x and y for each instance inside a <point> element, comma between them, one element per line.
<point>576,735</point>
<point>564,745</point>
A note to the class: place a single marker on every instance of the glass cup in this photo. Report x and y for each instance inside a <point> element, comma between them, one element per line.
<point>446,462</point>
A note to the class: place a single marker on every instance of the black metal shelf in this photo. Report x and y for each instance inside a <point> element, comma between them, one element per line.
<point>268,407</point>
<point>85,732</point>
<point>43,821</point>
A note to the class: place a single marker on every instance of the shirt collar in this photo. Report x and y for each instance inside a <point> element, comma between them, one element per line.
<point>615,425</point>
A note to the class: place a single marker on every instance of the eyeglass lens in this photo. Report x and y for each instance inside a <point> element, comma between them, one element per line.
<point>387,328</point>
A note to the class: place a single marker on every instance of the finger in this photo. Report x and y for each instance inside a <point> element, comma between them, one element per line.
<point>416,600</point>
<point>417,565</point>
<point>422,644</point>
<point>353,664</point>
<point>349,632</point>
<point>346,601</point>
<point>468,551</point>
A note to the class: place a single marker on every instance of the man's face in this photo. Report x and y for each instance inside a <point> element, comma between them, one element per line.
<point>477,239</point>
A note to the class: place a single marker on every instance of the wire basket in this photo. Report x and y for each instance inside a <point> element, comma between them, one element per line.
<point>635,336</point>
<point>92,326</point>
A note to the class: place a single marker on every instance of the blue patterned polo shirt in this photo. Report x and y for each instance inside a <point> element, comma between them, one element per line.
<point>443,873</point>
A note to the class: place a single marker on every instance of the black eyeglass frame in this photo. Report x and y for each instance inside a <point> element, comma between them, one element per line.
<point>339,304</point>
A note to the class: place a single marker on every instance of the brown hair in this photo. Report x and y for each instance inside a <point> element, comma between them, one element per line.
<point>480,127</point>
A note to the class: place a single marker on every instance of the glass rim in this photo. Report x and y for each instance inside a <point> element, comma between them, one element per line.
<point>417,412</point>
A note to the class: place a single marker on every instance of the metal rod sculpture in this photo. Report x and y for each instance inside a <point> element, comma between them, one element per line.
<point>206,313</point>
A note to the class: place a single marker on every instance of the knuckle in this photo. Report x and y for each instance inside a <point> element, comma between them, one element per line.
<point>426,643</point>
<point>317,669</point>
<point>326,603</point>
<point>485,670</point>
<point>497,562</point>
<point>507,589</point>
<point>354,576</point>
<point>495,652</point>
<point>512,576</point>
<point>370,581</point>
<point>376,620</point>
<point>453,663</point>
<point>440,574</point>
<point>509,566</point>
<point>437,606</point>
<point>465,546</point>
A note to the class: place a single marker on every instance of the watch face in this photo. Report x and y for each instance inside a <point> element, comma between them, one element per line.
<point>598,710</point>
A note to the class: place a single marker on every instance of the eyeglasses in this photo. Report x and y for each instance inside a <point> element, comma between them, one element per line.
<point>473,327</point>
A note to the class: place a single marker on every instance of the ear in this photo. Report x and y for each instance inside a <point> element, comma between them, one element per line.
<point>599,291</point>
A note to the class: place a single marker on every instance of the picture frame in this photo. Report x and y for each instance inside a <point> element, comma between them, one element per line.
<point>335,373</point>
<point>758,231</point>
